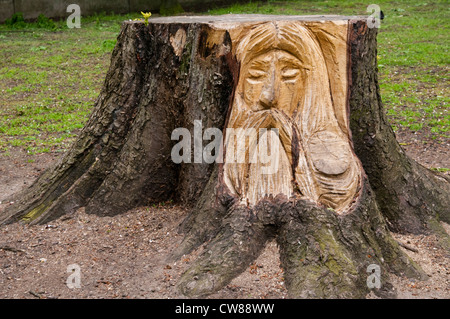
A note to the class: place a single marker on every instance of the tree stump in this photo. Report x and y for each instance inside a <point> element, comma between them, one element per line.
<point>302,151</point>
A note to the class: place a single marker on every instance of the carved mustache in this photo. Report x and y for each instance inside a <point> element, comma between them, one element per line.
<point>252,133</point>
<point>271,119</point>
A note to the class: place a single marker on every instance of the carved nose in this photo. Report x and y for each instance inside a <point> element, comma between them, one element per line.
<point>268,98</point>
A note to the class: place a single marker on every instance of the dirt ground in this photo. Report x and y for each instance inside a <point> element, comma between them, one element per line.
<point>125,256</point>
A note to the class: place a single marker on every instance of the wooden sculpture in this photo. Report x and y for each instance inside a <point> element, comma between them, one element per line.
<point>306,156</point>
<point>284,84</point>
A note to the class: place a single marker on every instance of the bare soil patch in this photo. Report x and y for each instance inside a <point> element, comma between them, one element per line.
<point>125,256</point>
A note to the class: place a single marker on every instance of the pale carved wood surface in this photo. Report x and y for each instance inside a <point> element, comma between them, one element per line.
<point>293,77</point>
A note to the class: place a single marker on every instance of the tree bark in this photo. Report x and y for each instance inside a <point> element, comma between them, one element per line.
<point>412,198</point>
<point>177,70</point>
<point>122,156</point>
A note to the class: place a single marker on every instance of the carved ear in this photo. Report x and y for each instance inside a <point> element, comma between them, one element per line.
<point>329,154</point>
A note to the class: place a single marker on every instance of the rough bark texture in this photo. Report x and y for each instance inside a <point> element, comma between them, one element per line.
<point>323,255</point>
<point>411,197</point>
<point>122,157</point>
<point>162,78</point>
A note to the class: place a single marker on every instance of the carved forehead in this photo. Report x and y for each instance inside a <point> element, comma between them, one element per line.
<point>280,56</point>
<point>287,36</point>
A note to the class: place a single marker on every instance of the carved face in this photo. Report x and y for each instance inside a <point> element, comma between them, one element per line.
<point>284,84</point>
<point>273,80</point>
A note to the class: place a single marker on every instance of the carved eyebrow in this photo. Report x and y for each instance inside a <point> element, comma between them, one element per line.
<point>258,64</point>
<point>291,61</point>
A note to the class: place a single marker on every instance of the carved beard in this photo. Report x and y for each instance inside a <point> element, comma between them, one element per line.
<point>321,168</point>
<point>258,154</point>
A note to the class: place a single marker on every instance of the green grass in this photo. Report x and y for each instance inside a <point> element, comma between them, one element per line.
<point>440,169</point>
<point>50,75</point>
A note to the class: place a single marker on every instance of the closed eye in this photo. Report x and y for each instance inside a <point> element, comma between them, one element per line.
<point>289,73</point>
<point>256,74</point>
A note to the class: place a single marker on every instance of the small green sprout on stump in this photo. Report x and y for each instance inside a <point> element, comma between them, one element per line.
<point>146,15</point>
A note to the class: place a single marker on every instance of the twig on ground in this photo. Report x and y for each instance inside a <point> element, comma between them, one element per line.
<point>9,248</point>
<point>35,294</point>
<point>407,246</point>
